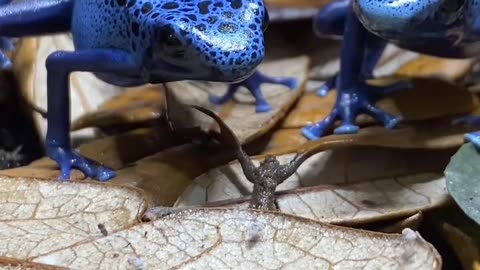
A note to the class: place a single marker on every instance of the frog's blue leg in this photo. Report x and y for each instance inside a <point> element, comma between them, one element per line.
<point>473,137</point>
<point>330,21</point>
<point>31,18</point>
<point>59,66</point>
<point>253,83</point>
<point>354,95</point>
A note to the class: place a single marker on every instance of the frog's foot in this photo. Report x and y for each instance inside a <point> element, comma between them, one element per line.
<point>253,85</point>
<point>474,138</point>
<point>68,159</point>
<point>6,45</point>
<point>350,103</point>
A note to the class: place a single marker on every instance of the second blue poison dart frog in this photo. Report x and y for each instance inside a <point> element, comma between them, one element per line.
<point>360,52</point>
<point>442,28</point>
<point>134,42</point>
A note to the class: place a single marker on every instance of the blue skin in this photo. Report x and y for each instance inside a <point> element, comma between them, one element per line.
<point>130,43</point>
<point>360,52</point>
<point>442,28</point>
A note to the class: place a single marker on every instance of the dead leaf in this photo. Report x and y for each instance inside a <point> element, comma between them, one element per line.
<point>120,150</point>
<point>165,175</point>
<point>437,134</point>
<point>430,98</point>
<point>435,67</point>
<point>239,114</point>
<point>464,245</point>
<point>220,239</point>
<point>14,264</point>
<point>337,186</point>
<point>40,216</point>
<point>412,222</point>
<point>460,232</point>
<point>135,105</point>
<point>86,91</point>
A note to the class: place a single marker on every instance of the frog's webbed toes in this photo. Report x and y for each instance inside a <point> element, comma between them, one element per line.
<point>349,105</point>
<point>474,138</point>
<point>68,159</point>
<point>253,83</point>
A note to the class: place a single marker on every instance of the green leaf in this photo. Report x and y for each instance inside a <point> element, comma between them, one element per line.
<point>463,180</point>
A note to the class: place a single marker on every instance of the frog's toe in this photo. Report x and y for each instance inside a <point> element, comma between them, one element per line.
<point>263,106</point>
<point>5,63</point>
<point>346,129</point>
<point>68,159</point>
<point>350,103</point>
<point>328,86</point>
<point>291,83</point>
<point>474,138</point>
<point>218,100</point>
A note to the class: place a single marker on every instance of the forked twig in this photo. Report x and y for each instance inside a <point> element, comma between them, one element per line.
<point>268,175</point>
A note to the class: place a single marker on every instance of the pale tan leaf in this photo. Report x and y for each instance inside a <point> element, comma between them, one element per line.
<point>233,239</point>
<point>86,91</point>
<point>239,114</point>
<point>15,264</point>
<point>400,184</point>
<point>40,216</point>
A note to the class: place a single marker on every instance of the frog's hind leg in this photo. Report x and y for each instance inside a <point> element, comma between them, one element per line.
<point>354,96</point>
<point>330,21</point>
<point>253,85</point>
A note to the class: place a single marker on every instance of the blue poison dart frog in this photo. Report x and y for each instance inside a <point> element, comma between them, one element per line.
<point>442,28</point>
<point>134,42</point>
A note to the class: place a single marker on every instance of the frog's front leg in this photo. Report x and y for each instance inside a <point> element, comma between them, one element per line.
<point>330,21</point>
<point>354,96</point>
<point>59,66</point>
<point>253,83</point>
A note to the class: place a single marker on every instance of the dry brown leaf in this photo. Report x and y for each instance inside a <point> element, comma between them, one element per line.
<point>165,175</point>
<point>86,91</point>
<point>120,150</point>
<point>423,134</point>
<point>221,239</point>
<point>434,67</point>
<point>412,222</point>
<point>14,264</point>
<point>430,98</point>
<point>135,105</point>
<point>466,248</point>
<point>340,188</point>
<point>40,216</point>
<point>115,152</point>
<point>239,114</point>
